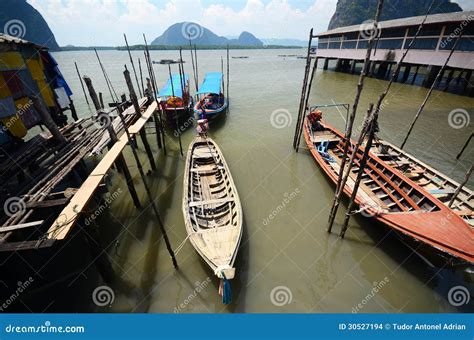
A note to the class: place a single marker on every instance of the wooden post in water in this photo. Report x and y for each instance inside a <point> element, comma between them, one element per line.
<point>98,253</point>
<point>197,67</point>
<point>47,120</point>
<point>464,147</point>
<point>463,183</point>
<point>192,62</point>
<point>92,93</point>
<point>155,117</point>
<point>73,110</point>
<point>101,100</point>
<point>303,90</point>
<point>422,106</point>
<point>148,191</point>
<point>133,98</point>
<point>82,84</point>
<point>372,126</point>
<point>228,74</point>
<point>141,76</point>
<point>350,123</point>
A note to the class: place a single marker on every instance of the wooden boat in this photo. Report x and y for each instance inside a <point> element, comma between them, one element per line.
<point>213,103</point>
<point>436,183</point>
<point>394,199</point>
<point>175,99</point>
<point>211,207</point>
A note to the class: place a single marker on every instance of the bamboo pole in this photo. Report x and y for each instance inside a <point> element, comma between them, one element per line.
<point>133,64</point>
<point>192,62</point>
<point>464,147</point>
<point>107,80</point>
<point>372,127</point>
<point>82,84</point>
<point>133,98</point>
<point>101,100</point>
<point>376,110</point>
<point>422,106</point>
<point>175,112</point>
<point>350,122</point>
<point>155,117</point>
<point>463,183</point>
<point>228,73</point>
<point>147,189</point>
<point>313,72</point>
<point>151,74</point>
<point>303,90</point>
<point>141,76</point>
<point>197,65</point>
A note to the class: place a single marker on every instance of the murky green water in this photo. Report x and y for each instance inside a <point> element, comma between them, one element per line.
<point>285,198</point>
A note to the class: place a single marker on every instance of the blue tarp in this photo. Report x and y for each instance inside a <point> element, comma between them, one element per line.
<point>167,90</point>
<point>211,84</point>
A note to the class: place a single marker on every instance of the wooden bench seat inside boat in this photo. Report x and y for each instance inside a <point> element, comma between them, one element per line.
<point>214,201</point>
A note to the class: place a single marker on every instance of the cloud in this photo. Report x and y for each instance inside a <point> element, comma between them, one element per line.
<point>103,22</point>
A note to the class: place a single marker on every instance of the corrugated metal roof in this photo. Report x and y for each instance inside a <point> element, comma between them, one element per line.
<point>5,38</point>
<point>411,21</point>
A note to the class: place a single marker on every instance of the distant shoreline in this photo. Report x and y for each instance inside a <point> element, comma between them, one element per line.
<point>173,48</point>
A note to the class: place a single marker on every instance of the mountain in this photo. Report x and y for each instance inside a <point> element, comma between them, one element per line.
<point>179,35</point>
<point>21,20</point>
<point>354,12</point>
<point>285,42</point>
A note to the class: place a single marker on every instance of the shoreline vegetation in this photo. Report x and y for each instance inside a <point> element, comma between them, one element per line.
<point>174,47</point>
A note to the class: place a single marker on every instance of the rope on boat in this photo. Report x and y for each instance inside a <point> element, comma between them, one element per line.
<point>181,245</point>
<point>224,290</point>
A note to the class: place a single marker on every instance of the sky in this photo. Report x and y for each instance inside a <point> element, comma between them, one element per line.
<point>103,22</point>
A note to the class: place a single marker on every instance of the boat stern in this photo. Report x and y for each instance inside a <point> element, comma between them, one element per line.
<point>226,271</point>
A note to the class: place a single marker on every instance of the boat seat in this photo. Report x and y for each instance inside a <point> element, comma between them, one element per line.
<point>214,201</point>
<point>441,191</point>
<point>204,171</point>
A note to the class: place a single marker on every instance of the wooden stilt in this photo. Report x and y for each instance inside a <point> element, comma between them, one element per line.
<point>101,100</point>
<point>372,126</point>
<point>98,253</point>
<point>155,117</point>
<point>73,110</point>
<point>175,112</point>
<point>82,84</point>
<point>141,76</point>
<point>228,73</point>
<point>147,189</point>
<point>463,183</point>
<point>92,93</point>
<point>133,98</point>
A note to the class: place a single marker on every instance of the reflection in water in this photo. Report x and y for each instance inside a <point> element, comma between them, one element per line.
<point>322,272</point>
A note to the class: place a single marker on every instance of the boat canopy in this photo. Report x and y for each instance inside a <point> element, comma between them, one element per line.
<point>211,84</point>
<point>176,89</point>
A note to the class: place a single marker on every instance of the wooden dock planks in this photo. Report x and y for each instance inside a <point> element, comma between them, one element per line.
<point>67,218</point>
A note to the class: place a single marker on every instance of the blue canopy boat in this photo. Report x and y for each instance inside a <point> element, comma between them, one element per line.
<point>175,100</point>
<point>213,102</point>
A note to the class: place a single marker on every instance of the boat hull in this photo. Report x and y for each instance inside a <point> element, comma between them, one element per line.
<point>212,114</point>
<point>211,207</point>
<point>444,231</point>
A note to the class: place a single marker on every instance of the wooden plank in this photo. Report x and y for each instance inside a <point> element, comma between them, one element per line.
<point>67,218</point>
<point>24,245</point>
<point>47,204</point>
<point>20,226</point>
<point>214,201</point>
